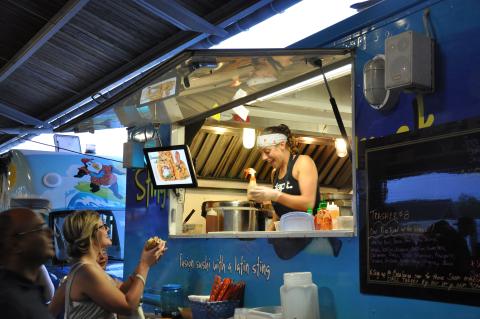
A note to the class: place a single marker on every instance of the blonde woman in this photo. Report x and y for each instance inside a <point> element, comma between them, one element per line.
<point>89,291</point>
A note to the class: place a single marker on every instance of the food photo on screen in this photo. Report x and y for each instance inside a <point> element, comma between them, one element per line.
<point>171,166</point>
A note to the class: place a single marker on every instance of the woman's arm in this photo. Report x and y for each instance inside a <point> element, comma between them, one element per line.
<point>305,172</point>
<point>125,286</point>
<point>92,283</point>
<point>95,285</point>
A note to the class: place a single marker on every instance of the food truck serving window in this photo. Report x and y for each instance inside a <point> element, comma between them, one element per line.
<point>214,95</point>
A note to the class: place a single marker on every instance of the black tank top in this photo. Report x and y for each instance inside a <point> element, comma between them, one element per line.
<point>289,185</point>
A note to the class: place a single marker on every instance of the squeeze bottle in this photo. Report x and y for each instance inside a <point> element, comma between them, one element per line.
<point>252,183</point>
<point>299,296</point>
<point>212,221</point>
<point>323,217</point>
<point>318,218</point>
<point>334,212</point>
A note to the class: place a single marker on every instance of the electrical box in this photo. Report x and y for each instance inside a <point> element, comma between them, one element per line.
<point>409,62</point>
<point>133,155</point>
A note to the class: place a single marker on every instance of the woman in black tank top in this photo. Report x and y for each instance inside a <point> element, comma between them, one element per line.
<point>294,177</point>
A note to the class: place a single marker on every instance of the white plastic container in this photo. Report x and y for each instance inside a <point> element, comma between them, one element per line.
<point>295,221</point>
<point>299,296</point>
<point>345,222</point>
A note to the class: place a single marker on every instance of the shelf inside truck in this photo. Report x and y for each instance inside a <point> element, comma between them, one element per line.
<point>271,234</point>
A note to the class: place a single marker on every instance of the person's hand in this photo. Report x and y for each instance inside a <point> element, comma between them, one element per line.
<point>262,193</point>
<point>153,255</point>
<point>102,259</point>
<point>271,227</point>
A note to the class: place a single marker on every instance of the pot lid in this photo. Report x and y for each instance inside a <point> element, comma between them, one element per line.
<point>233,204</point>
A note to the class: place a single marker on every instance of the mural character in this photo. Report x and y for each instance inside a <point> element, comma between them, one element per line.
<point>100,175</point>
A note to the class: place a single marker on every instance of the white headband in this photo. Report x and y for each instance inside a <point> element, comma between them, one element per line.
<point>271,139</point>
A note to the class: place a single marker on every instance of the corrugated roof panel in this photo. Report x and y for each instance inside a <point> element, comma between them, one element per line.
<point>20,21</point>
<point>100,44</point>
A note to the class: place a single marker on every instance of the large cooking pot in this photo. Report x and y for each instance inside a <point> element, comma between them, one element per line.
<point>237,215</point>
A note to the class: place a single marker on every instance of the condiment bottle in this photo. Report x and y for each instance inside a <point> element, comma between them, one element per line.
<point>327,223</point>
<point>324,218</point>
<point>212,221</point>
<point>318,218</point>
<point>299,296</point>
<point>334,211</point>
<point>252,183</point>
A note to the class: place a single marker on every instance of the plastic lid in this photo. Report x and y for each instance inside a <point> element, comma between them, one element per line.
<point>169,287</point>
<point>297,278</point>
<point>309,211</point>
<point>294,221</point>
<point>323,204</point>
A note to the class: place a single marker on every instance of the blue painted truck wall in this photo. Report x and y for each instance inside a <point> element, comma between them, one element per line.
<point>334,263</point>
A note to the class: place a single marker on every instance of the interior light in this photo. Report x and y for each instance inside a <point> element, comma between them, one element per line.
<point>248,137</point>
<point>330,75</point>
<point>341,147</point>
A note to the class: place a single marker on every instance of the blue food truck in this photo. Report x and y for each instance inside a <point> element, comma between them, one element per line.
<point>427,48</point>
<point>406,98</point>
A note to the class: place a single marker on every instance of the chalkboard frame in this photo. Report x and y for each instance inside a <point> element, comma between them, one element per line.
<point>460,128</point>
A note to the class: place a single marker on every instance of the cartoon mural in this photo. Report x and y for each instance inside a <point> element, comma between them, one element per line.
<point>100,175</point>
<point>57,177</point>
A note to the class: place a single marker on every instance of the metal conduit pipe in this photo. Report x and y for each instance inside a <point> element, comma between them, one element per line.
<point>16,141</point>
<point>246,23</point>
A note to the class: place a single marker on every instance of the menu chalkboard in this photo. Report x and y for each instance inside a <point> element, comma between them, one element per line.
<point>420,221</point>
